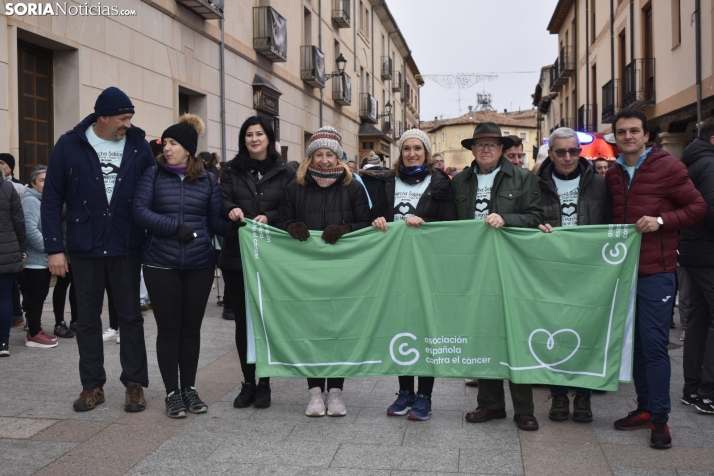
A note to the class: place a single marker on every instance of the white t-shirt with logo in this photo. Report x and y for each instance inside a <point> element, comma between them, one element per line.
<point>483,194</point>
<point>110,153</point>
<point>568,191</point>
<point>406,197</point>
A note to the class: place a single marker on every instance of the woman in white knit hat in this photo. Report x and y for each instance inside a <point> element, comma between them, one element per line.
<point>324,197</point>
<point>414,192</point>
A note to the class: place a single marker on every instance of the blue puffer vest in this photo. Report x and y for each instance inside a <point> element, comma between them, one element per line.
<point>163,201</point>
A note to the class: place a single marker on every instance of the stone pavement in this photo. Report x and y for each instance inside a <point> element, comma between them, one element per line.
<point>41,434</point>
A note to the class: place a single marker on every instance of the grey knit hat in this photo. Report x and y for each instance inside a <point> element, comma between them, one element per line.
<point>418,134</point>
<point>325,138</point>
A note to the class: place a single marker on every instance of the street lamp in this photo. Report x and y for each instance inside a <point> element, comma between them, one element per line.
<point>341,64</point>
<point>387,110</point>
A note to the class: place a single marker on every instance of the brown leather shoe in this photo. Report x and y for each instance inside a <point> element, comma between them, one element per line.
<point>134,398</point>
<point>482,415</point>
<point>89,399</point>
<point>526,422</point>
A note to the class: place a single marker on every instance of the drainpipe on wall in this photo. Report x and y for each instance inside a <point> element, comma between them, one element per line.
<point>319,45</point>
<point>632,30</point>
<point>612,47</point>
<point>223,93</point>
<point>587,63</point>
<point>575,67</point>
<point>698,41</point>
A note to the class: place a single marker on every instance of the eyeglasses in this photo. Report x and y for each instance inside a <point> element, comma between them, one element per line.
<point>485,145</point>
<point>560,153</point>
<point>438,161</point>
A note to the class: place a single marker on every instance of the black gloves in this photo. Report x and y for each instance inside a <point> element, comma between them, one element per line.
<point>333,233</point>
<point>237,224</point>
<point>185,233</point>
<point>298,230</point>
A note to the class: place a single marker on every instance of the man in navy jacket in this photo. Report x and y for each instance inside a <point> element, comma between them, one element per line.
<point>93,171</point>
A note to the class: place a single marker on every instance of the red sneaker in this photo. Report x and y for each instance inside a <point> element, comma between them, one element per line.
<point>40,340</point>
<point>660,438</point>
<point>49,336</point>
<point>635,420</point>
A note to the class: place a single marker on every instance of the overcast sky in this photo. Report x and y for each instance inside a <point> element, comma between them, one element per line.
<point>477,36</point>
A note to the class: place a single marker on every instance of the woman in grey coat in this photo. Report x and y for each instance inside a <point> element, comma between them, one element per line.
<point>35,278</point>
<point>13,242</point>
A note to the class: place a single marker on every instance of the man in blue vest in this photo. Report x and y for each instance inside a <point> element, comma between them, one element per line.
<point>93,170</point>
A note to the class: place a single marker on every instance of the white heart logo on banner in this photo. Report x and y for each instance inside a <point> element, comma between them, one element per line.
<point>550,344</point>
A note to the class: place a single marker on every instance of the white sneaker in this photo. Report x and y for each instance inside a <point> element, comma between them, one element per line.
<point>110,334</point>
<point>316,405</point>
<point>335,405</point>
<point>117,337</point>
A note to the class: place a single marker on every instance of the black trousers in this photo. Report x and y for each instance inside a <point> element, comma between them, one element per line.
<point>698,361</point>
<point>331,383</point>
<point>36,285</point>
<point>235,291</point>
<point>179,299</point>
<point>120,274</point>
<point>492,397</point>
<point>426,384</point>
<point>16,299</point>
<point>113,318</point>
<point>59,297</point>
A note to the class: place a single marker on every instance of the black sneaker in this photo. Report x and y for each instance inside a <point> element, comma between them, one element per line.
<point>705,405</point>
<point>175,407</point>
<point>228,313</point>
<point>660,438</point>
<point>560,408</point>
<point>192,401</point>
<point>61,330</point>
<point>246,395</point>
<point>582,413</point>
<point>4,350</point>
<point>690,399</point>
<point>262,395</point>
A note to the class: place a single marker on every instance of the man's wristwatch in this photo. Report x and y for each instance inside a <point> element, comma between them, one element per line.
<point>660,222</point>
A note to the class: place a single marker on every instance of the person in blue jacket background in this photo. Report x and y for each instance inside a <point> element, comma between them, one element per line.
<point>93,169</point>
<point>179,204</point>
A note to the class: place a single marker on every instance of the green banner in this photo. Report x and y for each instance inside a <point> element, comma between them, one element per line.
<point>451,299</point>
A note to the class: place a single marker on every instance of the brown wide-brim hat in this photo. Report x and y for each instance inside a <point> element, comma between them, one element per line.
<point>489,130</point>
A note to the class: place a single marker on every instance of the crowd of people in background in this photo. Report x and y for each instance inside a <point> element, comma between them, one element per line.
<point>147,223</point>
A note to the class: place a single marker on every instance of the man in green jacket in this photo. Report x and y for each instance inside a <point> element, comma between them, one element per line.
<point>492,189</point>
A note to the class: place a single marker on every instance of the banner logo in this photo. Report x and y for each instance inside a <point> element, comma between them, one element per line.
<point>550,344</point>
<point>620,248</point>
<point>401,349</point>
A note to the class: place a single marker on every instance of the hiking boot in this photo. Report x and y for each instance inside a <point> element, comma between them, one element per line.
<point>690,399</point>
<point>40,341</point>
<point>175,408</point>
<point>559,408</point>
<point>61,330</point>
<point>246,395</point>
<point>89,399</point>
<point>262,395</point>
<point>635,420</point>
<point>4,350</point>
<point>405,400</point>
<point>110,334</point>
<point>705,405</point>
<point>335,405</point>
<point>316,404</point>
<point>134,399</point>
<point>482,415</point>
<point>582,411</point>
<point>192,401</point>
<point>228,314</point>
<point>49,336</point>
<point>526,422</point>
<point>660,438</point>
<point>421,409</point>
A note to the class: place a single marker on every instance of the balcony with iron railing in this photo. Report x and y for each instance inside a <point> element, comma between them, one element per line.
<point>567,122</point>
<point>368,108</point>
<point>638,84</point>
<point>386,68</point>
<point>587,118</point>
<point>312,66</point>
<point>407,91</point>
<point>609,101</point>
<point>387,125</point>
<point>397,82</point>
<point>567,62</point>
<point>554,85</point>
<point>270,34</point>
<point>342,89</point>
<point>341,13</point>
<point>398,130</point>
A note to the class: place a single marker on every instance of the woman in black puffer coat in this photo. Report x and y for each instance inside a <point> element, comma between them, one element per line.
<point>179,205</point>
<point>415,192</point>
<point>13,244</point>
<point>324,197</point>
<point>252,185</point>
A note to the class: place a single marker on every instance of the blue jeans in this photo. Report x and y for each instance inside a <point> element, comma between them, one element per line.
<point>651,366</point>
<point>6,281</point>
<point>558,390</point>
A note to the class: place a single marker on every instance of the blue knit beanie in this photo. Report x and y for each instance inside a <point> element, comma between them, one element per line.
<point>113,102</point>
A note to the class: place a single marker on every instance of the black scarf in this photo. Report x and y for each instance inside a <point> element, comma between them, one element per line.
<point>413,175</point>
<point>260,166</point>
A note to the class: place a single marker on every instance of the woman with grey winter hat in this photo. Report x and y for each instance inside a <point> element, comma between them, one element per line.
<point>179,205</point>
<point>324,197</point>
